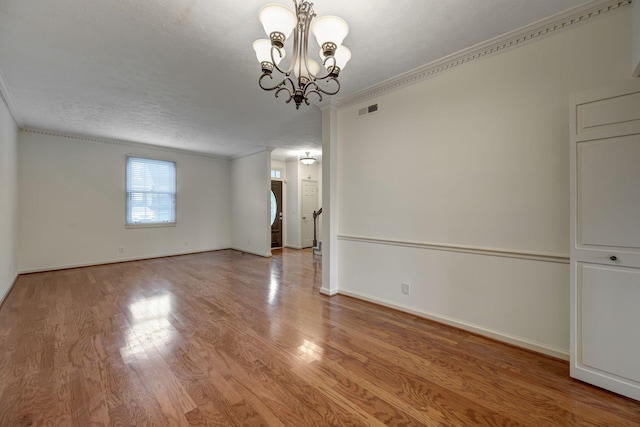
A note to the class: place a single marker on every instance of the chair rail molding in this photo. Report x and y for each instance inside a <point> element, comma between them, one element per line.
<point>496,252</point>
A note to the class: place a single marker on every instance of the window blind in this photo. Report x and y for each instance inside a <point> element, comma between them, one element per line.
<point>151,191</point>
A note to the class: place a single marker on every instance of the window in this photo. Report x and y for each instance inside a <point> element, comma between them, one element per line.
<point>151,191</point>
<point>276,173</point>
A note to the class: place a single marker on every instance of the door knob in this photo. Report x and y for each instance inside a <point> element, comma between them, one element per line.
<point>613,258</point>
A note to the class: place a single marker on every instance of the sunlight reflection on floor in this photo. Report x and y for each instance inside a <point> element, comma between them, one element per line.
<point>310,351</point>
<point>150,331</point>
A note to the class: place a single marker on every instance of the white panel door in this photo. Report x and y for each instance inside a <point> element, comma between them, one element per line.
<point>609,316</point>
<point>608,198</point>
<point>605,238</point>
<point>309,205</point>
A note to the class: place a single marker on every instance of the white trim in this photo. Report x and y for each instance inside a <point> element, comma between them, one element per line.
<point>327,292</point>
<point>9,101</point>
<point>264,255</point>
<point>115,261</point>
<point>510,40</point>
<point>13,282</point>
<point>251,153</point>
<point>150,224</point>
<point>328,104</point>
<point>497,252</point>
<point>131,144</point>
<point>500,336</point>
<point>294,247</point>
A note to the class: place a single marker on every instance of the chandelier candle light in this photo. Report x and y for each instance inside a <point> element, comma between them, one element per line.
<point>278,22</point>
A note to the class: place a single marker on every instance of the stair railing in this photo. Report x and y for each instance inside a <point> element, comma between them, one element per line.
<point>316,214</point>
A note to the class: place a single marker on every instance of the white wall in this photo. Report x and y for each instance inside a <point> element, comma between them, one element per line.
<point>72,203</point>
<point>8,200</point>
<point>636,38</point>
<point>292,223</point>
<point>250,203</point>
<point>480,158</point>
<point>309,172</point>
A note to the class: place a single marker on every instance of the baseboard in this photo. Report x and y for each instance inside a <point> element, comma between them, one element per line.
<point>13,283</point>
<point>329,293</point>
<point>293,247</point>
<point>113,261</point>
<point>264,255</point>
<point>498,336</point>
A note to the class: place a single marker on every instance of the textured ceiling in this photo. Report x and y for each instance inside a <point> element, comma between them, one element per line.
<point>182,73</point>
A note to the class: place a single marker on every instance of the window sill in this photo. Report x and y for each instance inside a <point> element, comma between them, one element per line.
<point>151,225</point>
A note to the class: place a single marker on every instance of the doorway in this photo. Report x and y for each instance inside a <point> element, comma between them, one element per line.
<point>309,205</point>
<point>276,214</point>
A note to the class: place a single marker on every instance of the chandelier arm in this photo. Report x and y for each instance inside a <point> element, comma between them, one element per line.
<point>273,61</point>
<point>316,91</point>
<point>311,86</point>
<point>324,63</point>
<point>269,88</point>
<point>293,85</point>
<point>326,91</point>
<point>284,88</point>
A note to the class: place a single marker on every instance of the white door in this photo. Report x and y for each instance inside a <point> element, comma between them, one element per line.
<point>605,238</point>
<point>309,204</point>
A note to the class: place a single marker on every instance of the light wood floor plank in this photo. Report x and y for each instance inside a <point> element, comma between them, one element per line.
<point>230,339</point>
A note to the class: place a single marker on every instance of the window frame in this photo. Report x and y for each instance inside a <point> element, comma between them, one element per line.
<point>126,194</point>
<point>279,172</point>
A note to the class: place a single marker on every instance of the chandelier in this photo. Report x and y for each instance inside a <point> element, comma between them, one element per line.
<point>307,79</point>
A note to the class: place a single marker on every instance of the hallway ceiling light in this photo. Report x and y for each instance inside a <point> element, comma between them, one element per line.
<point>307,159</point>
<point>278,22</point>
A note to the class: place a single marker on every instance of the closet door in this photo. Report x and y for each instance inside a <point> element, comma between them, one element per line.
<point>605,238</point>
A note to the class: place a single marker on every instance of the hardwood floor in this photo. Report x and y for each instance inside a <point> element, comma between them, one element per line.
<point>229,339</point>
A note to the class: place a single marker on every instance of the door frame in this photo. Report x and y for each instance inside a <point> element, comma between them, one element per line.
<point>302,181</point>
<point>582,132</point>
<point>282,215</point>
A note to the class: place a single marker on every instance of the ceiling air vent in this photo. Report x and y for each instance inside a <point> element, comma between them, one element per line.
<point>368,110</point>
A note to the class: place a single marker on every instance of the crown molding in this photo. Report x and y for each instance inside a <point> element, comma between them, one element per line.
<point>251,153</point>
<point>328,104</point>
<point>536,31</point>
<point>130,144</point>
<point>7,97</point>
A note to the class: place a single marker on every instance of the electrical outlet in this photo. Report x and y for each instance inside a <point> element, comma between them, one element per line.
<point>405,288</point>
<point>121,250</point>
